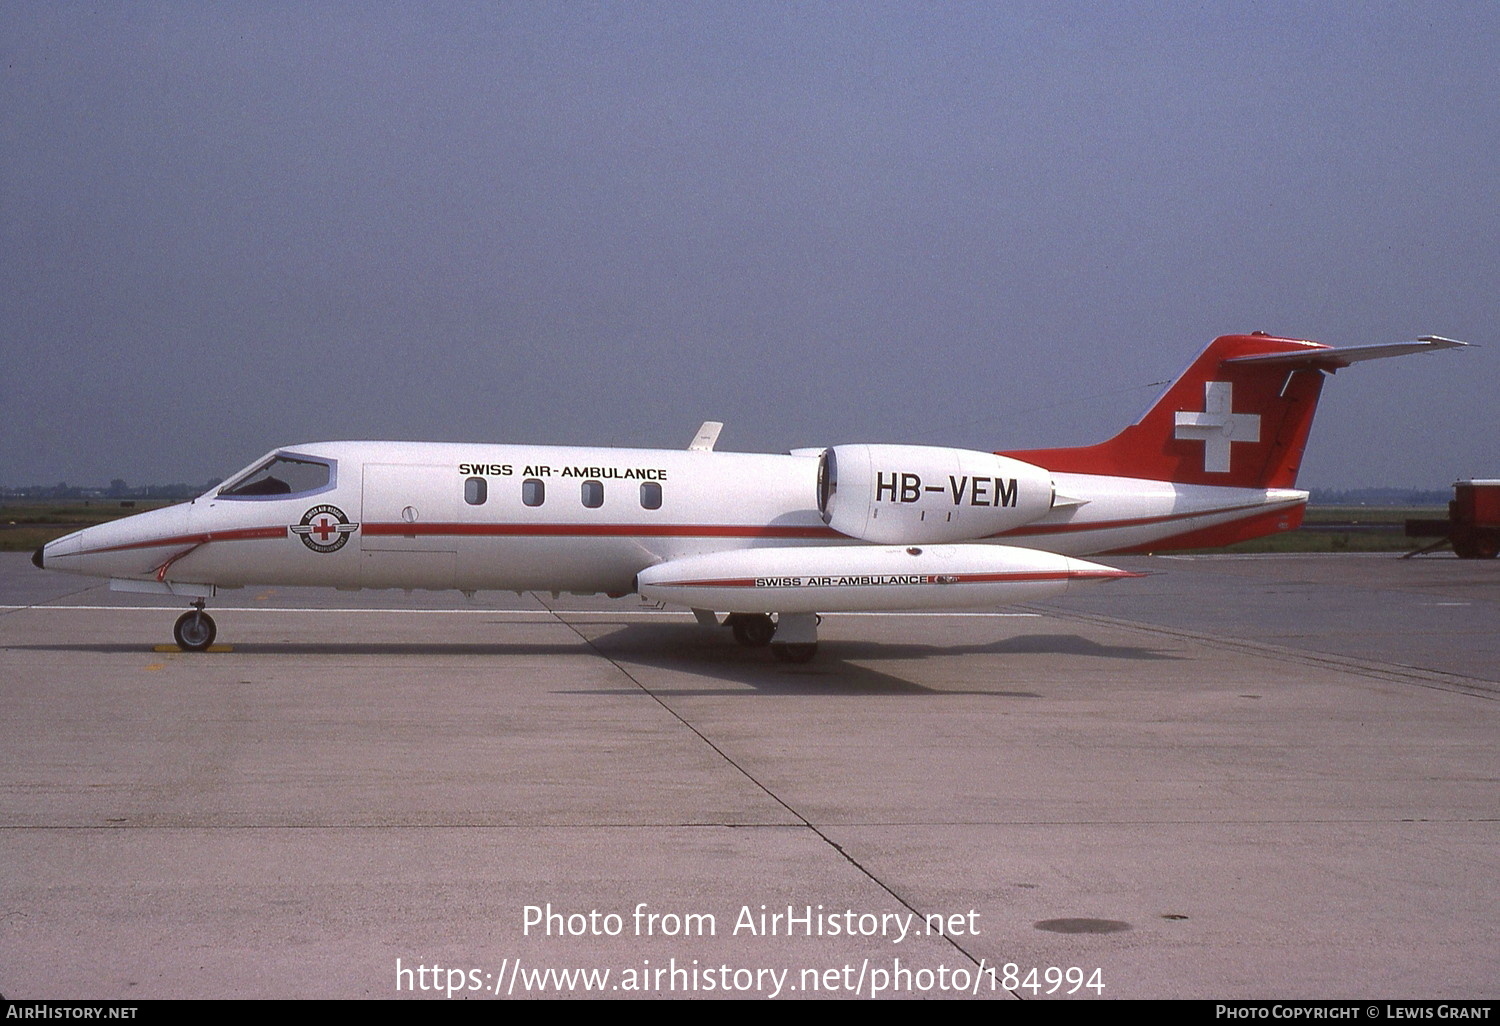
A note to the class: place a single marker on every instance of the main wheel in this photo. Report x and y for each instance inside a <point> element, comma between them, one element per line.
<point>753,630</point>
<point>194,631</point>
<point>800,652</point>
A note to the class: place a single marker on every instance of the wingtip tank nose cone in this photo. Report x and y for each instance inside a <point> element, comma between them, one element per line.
<point>1082,571</point>
<point>36,557</point>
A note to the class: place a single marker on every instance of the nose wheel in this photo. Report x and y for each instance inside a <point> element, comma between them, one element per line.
<point>194,630</point>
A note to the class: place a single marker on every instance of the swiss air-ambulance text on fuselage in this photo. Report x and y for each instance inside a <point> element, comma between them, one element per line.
<point>543,470</point>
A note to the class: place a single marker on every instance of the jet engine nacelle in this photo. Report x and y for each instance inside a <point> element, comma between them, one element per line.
<point>918,494</point>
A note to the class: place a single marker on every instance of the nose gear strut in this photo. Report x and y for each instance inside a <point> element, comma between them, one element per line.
<point>194,630</point>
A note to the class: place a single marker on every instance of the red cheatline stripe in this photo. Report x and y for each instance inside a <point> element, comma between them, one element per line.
<point>238,534</point>
<point>748,530</point>
<point>604,530</point>
<point>737,582</point>
<point>501,530</point>
<point>1019,575</point>
<point>1106,525</point>
<point>646,530</point>
<point>1057,575</point>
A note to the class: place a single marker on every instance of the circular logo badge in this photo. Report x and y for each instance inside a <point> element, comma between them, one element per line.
<point>324,529</point>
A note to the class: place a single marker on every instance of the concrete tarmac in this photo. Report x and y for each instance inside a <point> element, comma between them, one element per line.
<point>1260,777</point>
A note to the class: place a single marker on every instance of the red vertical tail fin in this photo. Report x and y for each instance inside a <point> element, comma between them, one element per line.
<point>1238,416</point>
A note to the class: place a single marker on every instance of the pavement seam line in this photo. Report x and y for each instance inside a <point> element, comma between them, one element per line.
<point>8,610</point>
<point>1391,673</point>
<point>978,963</point>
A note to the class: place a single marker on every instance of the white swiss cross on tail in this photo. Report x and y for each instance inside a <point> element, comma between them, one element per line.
<point>1218,426</point>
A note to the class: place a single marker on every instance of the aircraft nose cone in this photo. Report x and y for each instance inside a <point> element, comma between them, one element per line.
<point>36,558</point>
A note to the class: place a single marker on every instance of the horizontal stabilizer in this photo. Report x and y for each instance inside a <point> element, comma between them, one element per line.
<point>1239,415</point>
<point>1333,359</point>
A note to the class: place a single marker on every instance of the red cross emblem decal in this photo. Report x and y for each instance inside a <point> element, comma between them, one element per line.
<point>324,529</point>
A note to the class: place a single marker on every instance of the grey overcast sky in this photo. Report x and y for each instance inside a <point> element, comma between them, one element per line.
<point>230,226</point>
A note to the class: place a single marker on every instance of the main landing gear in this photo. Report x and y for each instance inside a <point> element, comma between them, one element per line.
<point>795,634</point>
<point>753,630</point>
<point>194,630</point>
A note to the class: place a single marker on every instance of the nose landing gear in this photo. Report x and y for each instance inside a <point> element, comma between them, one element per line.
<point>194,630</point>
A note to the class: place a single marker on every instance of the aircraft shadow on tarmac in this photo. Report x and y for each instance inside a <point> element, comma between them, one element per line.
<point>689,649</point>
<point>838,667</point>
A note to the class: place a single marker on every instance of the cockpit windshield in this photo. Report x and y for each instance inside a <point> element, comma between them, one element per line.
<point>280,476</point>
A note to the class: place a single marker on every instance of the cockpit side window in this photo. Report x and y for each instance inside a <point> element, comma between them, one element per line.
<point>280,477</point>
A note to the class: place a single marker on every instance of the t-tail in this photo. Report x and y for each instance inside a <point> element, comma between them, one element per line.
<point>1238,417</point>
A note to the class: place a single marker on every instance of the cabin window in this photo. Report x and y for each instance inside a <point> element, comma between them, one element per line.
<point>650,495</point>
<point>593,494</point>
<point>280,476</point>
<point>476,491</point>
<point>533,491</point>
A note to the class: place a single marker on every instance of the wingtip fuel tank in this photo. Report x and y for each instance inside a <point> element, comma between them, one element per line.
<point>857,578</point>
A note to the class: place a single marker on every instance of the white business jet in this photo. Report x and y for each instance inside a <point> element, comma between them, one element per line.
<point>769,541</point>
